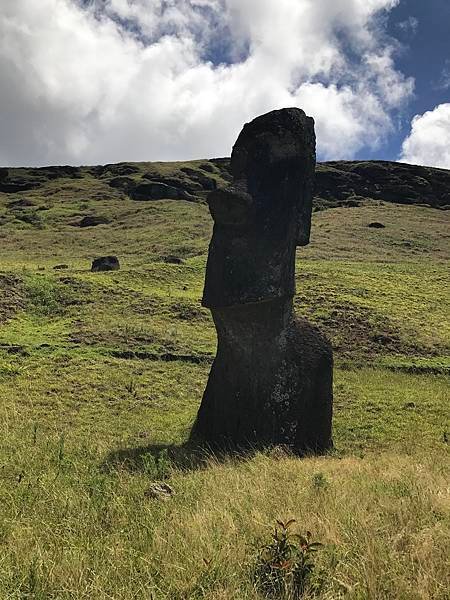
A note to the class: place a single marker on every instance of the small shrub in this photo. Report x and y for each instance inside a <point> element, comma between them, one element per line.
<point>319,481</point>
<point>284,566</point>
<point>157,467</point>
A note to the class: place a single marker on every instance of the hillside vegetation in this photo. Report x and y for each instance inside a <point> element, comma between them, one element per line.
<point>101,375</point>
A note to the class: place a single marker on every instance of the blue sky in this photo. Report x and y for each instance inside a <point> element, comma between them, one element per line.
<point>97,81</point>
<point>426,57</point>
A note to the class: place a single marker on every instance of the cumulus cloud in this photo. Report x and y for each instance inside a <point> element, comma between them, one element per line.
<point>94,81</point>
<point>429,140</point>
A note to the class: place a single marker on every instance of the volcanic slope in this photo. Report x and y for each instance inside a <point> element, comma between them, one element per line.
<point>101,375</point>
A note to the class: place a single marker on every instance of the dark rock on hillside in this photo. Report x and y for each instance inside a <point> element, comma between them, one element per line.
<point>105,263</point>
<point>93,221</point>
<point>22,203</point>
<point>180,183</point>
<point>12,186</point>
<point>122,183</point>
<point>207,183</point>
<point>171,259</point>
<point>119,169</point>
<point>208,167</point>
<point>376,225</point>
<point>338,182</point>
<point>224,166</point>
<point>156,190</point>
<point>59,172</point>
<point>23,180</point>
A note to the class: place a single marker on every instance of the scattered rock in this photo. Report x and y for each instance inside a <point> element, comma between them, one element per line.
<point>21,203</point>
<point>409,405</point>
<point>93,221</point>
<point>156,190</point>
<point>159,491</point>
<point>60,267</point>
<point>105,263</point>
<point>172,259</point>
<point>376,225</point>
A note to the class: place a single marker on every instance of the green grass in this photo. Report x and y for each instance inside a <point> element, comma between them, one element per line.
<point>89,396</point>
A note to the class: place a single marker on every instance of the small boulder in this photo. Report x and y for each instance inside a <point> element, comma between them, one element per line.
<point>105,263</point>
<point>172,259</point>
<point>376,225</point>
<point>159,491</point>
<point>93,221</point>
<point>60,267</point>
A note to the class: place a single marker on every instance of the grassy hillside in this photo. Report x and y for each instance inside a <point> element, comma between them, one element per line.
<point>101,375</point>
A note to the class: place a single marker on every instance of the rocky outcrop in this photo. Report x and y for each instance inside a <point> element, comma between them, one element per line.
<point>271,381</point>
<point>338,183</point>
<point>156,190</point>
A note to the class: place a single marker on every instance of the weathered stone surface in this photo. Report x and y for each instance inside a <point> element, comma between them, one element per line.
<point>159,491</point>
<point>105,263</point>
<point>271,381</point>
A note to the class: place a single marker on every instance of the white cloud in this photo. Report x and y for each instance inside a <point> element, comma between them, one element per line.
<point>429,140</point>
<point>94,81</point>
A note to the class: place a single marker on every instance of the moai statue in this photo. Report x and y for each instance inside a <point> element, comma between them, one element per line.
<point>271,380</point>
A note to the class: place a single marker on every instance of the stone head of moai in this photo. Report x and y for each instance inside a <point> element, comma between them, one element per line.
<point>265,213</point>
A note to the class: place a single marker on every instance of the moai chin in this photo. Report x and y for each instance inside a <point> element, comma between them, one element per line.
<point>271,380</point>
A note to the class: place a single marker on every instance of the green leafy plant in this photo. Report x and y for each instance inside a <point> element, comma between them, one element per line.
<point>319,481</point>
<point>284,566</point>
<point>157,467</point>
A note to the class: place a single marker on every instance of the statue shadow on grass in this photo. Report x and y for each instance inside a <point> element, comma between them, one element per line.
<point>155,459</point>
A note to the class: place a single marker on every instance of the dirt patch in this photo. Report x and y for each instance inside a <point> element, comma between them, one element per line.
<point>355,331</point>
